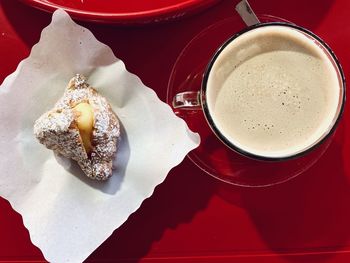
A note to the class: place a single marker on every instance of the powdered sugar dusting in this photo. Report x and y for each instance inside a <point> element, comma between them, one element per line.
<point>57,130</point>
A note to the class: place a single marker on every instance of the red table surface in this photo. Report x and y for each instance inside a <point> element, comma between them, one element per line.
<point>191,217</point>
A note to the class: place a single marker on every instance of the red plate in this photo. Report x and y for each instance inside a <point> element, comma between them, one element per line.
<point>124,12</point>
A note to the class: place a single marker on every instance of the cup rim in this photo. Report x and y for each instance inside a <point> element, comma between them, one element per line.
<point>241,151</point>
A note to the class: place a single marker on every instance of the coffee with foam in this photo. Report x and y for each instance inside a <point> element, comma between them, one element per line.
<point>273,91</point>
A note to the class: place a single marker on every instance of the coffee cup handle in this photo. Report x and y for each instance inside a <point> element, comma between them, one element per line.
<point>187,100</point>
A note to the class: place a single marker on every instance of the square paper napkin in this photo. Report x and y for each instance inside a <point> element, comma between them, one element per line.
<point>68,215</point>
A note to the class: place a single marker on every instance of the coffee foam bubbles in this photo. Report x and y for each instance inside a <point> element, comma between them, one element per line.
<point>273,92</point>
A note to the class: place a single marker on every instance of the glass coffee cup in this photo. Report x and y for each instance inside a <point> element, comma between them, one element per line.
<point>274,91</point>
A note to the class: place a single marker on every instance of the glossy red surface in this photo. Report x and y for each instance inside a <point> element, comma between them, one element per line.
<point>192,217</point>
<point>124,12</point>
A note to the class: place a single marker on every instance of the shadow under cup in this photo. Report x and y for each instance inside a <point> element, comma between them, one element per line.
<point>200,100</point>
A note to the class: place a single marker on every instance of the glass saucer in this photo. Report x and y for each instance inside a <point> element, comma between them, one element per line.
<point>212,156</point>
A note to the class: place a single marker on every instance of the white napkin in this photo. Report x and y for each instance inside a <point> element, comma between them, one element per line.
<point>68,215</point>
